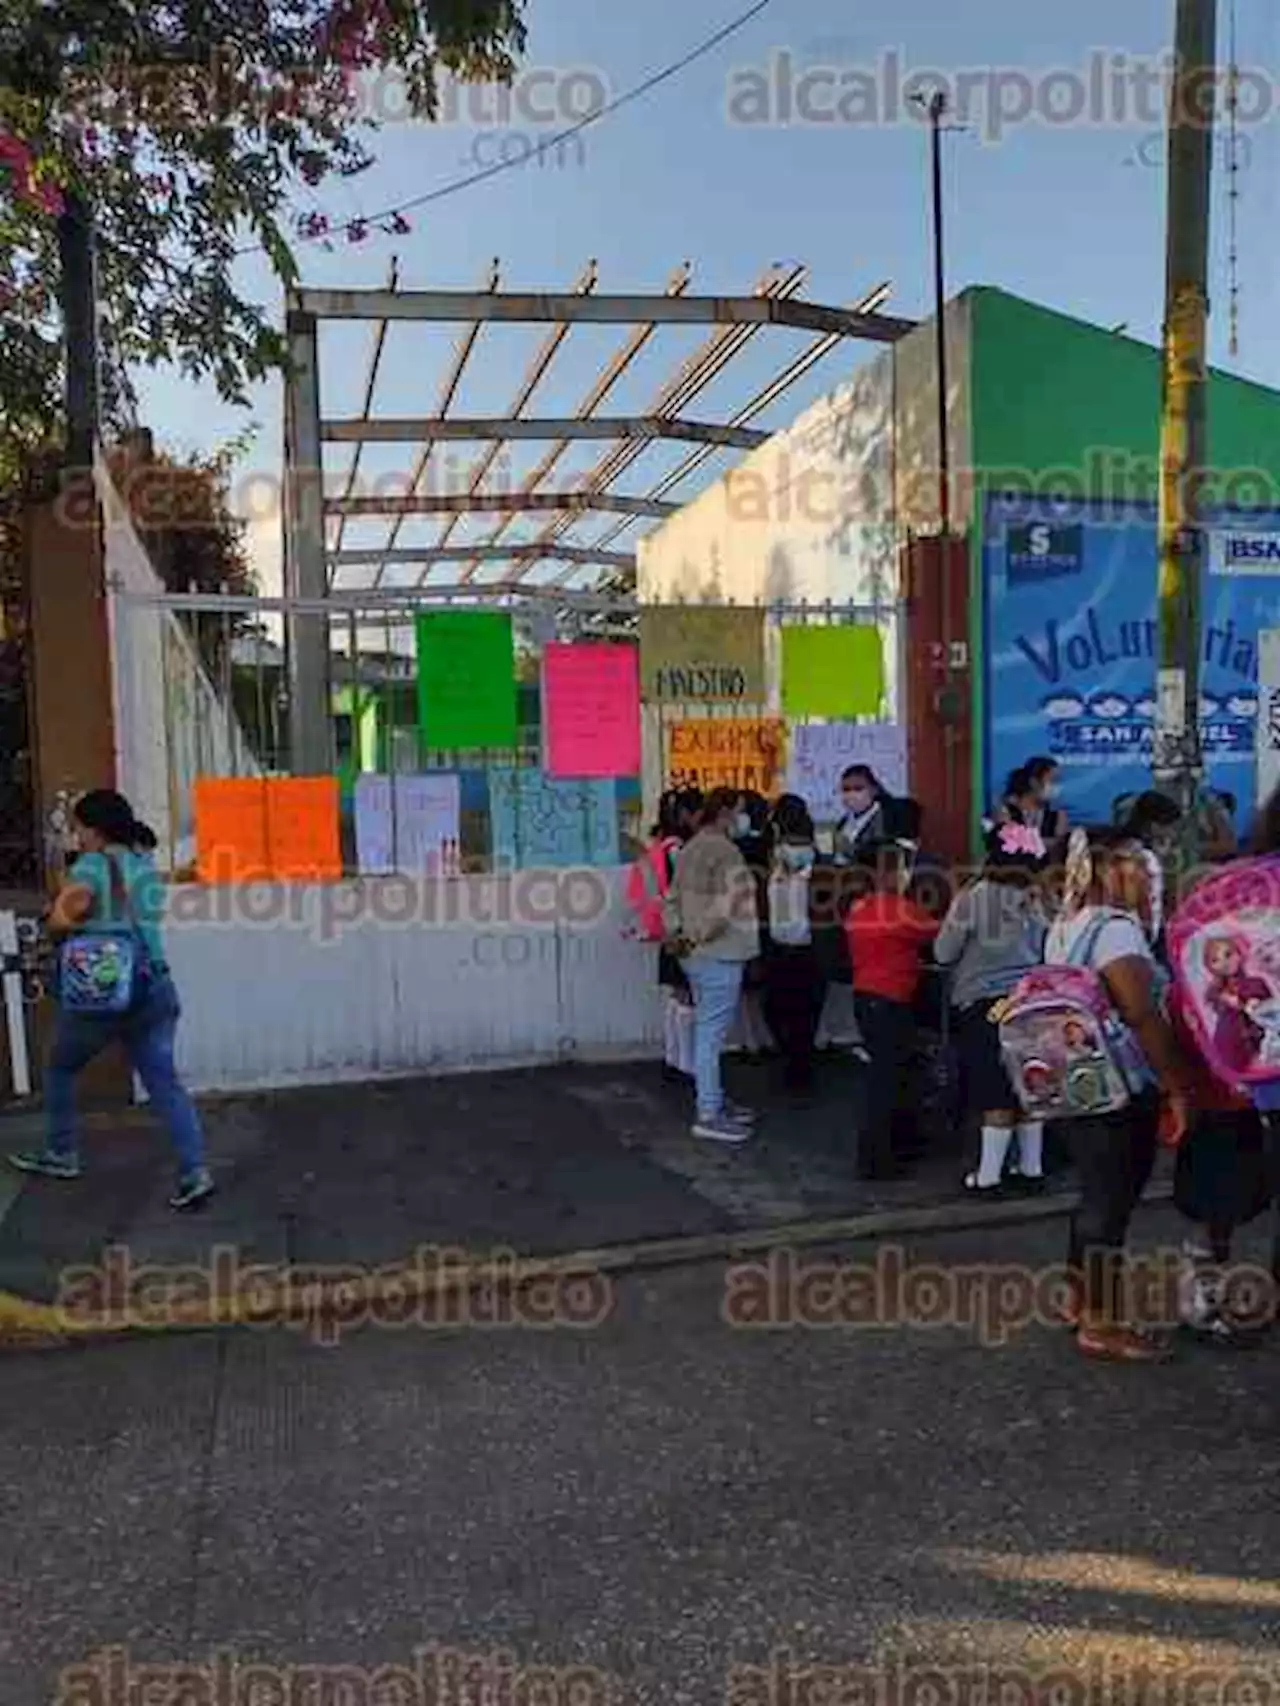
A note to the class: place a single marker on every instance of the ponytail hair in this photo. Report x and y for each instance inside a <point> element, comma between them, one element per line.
<point>110,815</point>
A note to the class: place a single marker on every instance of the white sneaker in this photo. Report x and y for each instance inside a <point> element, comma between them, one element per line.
<point>721,1129</point>
<point>738,1115</point>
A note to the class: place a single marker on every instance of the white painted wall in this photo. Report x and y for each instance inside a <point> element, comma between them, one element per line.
<point>297,999</point>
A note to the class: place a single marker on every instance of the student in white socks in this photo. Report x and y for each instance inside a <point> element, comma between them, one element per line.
<point>994,934</point>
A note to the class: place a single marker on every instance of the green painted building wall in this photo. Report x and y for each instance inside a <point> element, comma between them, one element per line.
<point>1067,405</point>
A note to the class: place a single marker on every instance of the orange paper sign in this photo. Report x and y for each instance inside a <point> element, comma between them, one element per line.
<point>231,829</point>
<point>726,752</point>
<point>302,828</point>
<point>249,828</point>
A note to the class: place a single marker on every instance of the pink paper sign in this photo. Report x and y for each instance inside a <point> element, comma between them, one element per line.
<point>591,709</point>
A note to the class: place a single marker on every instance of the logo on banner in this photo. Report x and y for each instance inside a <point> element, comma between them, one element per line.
<point>1042,552</point>
<point>1233,552</point>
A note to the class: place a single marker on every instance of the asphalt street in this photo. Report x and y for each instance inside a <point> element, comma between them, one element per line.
<point>660,1508</point>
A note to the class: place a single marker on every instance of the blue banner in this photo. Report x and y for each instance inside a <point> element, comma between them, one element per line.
<point>1072,645</point>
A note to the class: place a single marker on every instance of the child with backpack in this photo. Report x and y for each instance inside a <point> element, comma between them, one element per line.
<point>648,884</point>
<point>992,936</point>
<point>1099,933</point>
<point>1224,947</point>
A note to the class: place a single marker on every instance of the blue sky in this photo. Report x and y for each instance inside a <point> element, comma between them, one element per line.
<point>1072,216</point>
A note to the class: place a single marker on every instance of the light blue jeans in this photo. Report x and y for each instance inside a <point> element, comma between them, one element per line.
<point>716,986</point>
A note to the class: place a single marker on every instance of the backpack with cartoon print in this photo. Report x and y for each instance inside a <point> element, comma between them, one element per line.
<point>1224,952</point>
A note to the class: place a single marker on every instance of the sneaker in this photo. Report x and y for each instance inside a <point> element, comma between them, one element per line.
<point>47,1165</point>
<point>1120,1344</point>
<point>739,1115</point>
<point>721,1129</point>
<point>193,1189</point>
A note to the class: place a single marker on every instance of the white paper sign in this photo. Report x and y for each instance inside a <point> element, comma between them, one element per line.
<point>428,824</point>
<point>374,852</point>
<point>417,832</point>
<point>821,752</point>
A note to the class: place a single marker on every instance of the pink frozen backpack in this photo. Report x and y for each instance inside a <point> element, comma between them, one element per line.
<point>1067,1053</point>
<point>647,885</point>
<point>1224,951</point>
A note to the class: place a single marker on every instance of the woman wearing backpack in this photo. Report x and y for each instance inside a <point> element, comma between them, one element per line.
<point>113,889</point>
<point>992,936</point>
<point>1100,929</point>
<point>648,884</point>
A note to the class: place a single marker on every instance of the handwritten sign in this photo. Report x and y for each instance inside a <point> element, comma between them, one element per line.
<point>701,653</point>
<point>466,679</point>
<point>428,824</point>
<point>833,671</point>
<point>303,841</point>
<point>822,752</point>
<point>414,828</point>
<point>591,710</point>
<point>539,821</point>
<point>230,828</point>
<point>726,752</point>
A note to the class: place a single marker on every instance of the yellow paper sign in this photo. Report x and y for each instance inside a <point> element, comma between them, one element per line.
<point>726,752</point>
<point>833,671</point>
<point>701,654</point>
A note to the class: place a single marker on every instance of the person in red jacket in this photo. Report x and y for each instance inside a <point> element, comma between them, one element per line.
<point>888,935</point>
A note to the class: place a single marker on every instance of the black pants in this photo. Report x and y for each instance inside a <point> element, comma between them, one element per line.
<point>888,1121</point>
<point>1114,1155</point>
<point>795,991</point>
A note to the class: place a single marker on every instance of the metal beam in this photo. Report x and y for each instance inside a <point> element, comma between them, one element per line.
<point>305,573</point>
<point>370,386</point>
<point>481,503</point>
<point>452,305</point>
<point>431,428</point>
<point>790,375</point>
<point>582,555</point>
<point>697,372</point>
<point>448,390</point>
<point>537,370</point>
<point>601,386</point>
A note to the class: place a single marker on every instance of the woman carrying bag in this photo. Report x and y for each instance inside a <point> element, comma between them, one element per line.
<point>114,986</point>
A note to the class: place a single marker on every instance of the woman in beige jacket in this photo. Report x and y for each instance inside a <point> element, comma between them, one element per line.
<point>712,913</point>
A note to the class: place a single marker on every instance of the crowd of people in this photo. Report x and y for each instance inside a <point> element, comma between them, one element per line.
<point>749,900</point>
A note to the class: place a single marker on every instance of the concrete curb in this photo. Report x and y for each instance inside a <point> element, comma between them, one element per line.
<point>328,1306</point>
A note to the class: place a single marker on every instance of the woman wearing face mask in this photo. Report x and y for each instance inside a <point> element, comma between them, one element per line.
<point>866,809</point>
<point>714,930</point>
<point>795,975</point>
<point>114,887</point>
<point>1029,798</point>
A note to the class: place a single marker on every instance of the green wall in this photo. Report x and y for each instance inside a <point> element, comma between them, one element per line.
<point>1053,393</point>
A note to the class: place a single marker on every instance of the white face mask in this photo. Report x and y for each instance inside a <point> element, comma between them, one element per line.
<point>741,828</point>
<point>796,858</point>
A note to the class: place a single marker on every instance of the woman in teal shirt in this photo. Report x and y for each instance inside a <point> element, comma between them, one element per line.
<point>110,836</point>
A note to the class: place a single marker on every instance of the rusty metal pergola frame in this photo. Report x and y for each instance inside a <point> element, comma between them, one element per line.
<point>315,522</point>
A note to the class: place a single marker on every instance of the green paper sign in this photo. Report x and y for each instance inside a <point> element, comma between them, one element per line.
<point>466,680</point>
<point>832,672</point>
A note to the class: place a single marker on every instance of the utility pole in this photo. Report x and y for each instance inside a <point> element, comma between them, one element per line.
<point>79,300</point>
<point>937,112</point>
<point>1178,765</point>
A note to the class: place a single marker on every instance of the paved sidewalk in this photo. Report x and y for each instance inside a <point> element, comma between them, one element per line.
<point>545,1162</point>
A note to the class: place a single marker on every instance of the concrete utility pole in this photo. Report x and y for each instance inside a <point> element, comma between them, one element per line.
<point>1177,759</point>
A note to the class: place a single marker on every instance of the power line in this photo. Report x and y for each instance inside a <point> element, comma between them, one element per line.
<point>456,185</point>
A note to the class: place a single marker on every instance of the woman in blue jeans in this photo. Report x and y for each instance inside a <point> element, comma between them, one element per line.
<point>713,913</point>
<point>113,885</point>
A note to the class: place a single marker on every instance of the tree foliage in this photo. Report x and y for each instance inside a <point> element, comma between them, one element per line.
<point>193,126</point>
